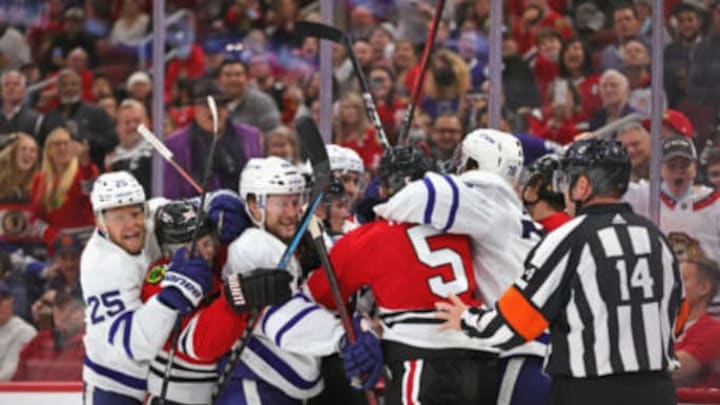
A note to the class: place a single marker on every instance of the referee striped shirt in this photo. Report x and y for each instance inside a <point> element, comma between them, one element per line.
<point>609,287</point>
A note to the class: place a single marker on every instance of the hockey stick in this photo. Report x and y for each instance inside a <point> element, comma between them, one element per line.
<point>319,243</point>
<point>420,79</point>
<point>330,33</point>
<point>167,155</point>
<point>175,334</point>
<point>606,132</point>
<point>313,145</point>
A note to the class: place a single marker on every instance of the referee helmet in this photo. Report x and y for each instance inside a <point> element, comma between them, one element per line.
<point>606,164</point>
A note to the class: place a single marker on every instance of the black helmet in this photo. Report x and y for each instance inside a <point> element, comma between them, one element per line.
<point>400,165</point>
<point>605,163</point>
<point>175,223</point>
<point>540,173</point>
<point>335,190</point>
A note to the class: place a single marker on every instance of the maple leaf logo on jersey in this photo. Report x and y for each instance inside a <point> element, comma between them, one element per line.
<point>156,274</point>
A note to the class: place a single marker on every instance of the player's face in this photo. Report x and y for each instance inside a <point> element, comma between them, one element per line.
<point>282,214</point>
<point>206,248</point>
<point>126,227</point>
<point>352,183</point>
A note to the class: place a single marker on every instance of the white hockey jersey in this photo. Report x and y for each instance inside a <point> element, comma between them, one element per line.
<point>483,206</point>
<point>286,347</point>
<point>122,334</point>
<point>696,214</point>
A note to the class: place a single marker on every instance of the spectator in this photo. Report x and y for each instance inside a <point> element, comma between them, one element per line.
<point>636,67</point>
<point>139,87</point>
<point>282,37</point>
<point>132,25</point>
<point>70,38</point>
<point>518,81</point>
<point>14,334</point>
<point>476,14</point>
<point>614,94</point>
<point>446,135</point>
<point>364,53</point>
<point>697,348</point>
<point>561,117</point>
<point>63,275</point>
<point>56,354</point>
<point>413,17</point>
<point>247,105</point>
<point>627,26</point>
<point>16,116</point>
<point>77,60</point>
<point>405,63</point>
<point>382,88</point>
<point>711,164</point>
<point>101,86</point>
<point>545,63</point>
<point>187,65</point>
<point>109,105</point>
<point>133,153</point>
<point>86,121</point>
<point>685,207</point>
<point>264,79</point>
<point>704,77</point>
<point>538,16</point>
<point>576,66</point>
<point>679,54</point>
<point>14,48</point>
<point>60,191</point>
<point>448,80</point>
<point>473,48</point>
<point>362,22</point>
<point>237,143</point>
<point>352,130</point>
<point>636,139</point>
<point>382,42</point>
<point>283,143</point>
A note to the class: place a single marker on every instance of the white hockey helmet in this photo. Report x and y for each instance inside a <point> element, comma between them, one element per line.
<point>266,176</point>
<point>116,189</point>
<point>344,159</point>
<point>493,151</point>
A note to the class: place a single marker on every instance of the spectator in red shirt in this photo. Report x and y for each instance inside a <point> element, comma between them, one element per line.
<point>538,15</point>
<point>561,117</point>
<point>382,87</point>
<point>697,348</point>
<point>56,354</point>
<point>352,130</point>
<point>60,191</point>
<point>405,63</point>
<point>545,63</point>
<point>576,65</point>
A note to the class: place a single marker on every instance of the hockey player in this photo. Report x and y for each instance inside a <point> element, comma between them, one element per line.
<point>544,204</point>
<point>123,333</point>
<point>202,342</point>
<point>481,202</point>
<point>606,283</point>
<point>346,165</point>
<point>281,363</point>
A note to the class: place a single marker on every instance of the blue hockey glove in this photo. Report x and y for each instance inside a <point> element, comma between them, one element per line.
<point>186,283</point>
<point>363,359</point>
<point>227,215</point>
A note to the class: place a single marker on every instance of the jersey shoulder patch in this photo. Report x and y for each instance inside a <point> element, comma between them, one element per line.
<point>156,273</point>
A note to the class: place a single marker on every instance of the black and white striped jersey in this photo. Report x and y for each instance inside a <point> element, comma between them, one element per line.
<point>609,287</point>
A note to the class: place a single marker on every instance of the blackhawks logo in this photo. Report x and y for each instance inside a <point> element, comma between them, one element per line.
<point>156,274</point>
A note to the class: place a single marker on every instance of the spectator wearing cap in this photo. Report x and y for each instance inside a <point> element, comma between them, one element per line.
<point>56,354</point>
<point>132,25</point>
<point>14,334</point>
<point>246,104</point>
<point>674,123</point>
<point>73,36</point>
<point>536,17</point>
<point>85,121</point>
<point>636,139</point>
<point>626,26</point>
<point>237,143</point>
<point>697,348</point>
<point>614,94</point>
<point>16,115</point>
<point>139,87</point>
<point>685,207</point>
<point>133,153</point>
<point>679,54</point>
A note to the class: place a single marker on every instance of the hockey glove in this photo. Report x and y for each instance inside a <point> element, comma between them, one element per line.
<point>227,215</point>
<point>363,359</point>
<point>186,283</point>
<point>307,254</point>
<point>258,289</point>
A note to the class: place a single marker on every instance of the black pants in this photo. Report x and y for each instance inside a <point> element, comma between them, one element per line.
<point>654,388</point>
<point>337,387</point>
<point>444,381</point>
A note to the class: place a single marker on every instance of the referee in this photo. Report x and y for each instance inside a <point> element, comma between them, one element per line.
<point>608,286</point>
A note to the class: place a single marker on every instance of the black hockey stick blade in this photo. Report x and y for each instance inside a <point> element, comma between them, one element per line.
<point>318,30</point>
<point>313,148</point>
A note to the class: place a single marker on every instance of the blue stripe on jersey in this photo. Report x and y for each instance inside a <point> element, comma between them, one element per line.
<point>280,366</point>
<point>127,319</point>
<point>130,381</point>
<point>455,202</point>
<point>431,200</point>
<point>295,319</point>
<point>268,313</point>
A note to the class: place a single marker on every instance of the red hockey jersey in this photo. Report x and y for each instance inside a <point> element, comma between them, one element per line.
<point>409,268</point>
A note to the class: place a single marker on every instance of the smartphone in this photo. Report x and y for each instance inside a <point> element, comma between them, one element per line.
<point>560,92</point>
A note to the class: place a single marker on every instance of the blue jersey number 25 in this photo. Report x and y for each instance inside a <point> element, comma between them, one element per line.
<point>107,304</point>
